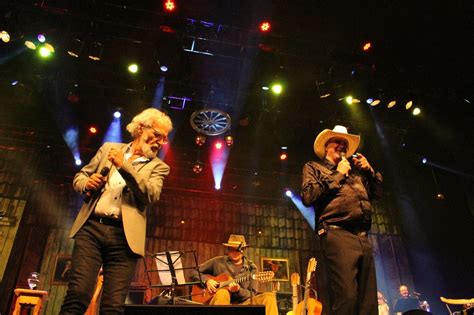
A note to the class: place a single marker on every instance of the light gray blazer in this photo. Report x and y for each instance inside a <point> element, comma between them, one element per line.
<point>143,189</point>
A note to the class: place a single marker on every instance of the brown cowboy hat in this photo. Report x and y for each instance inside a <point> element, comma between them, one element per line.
<point>236,240</point>
<point>338,132</point>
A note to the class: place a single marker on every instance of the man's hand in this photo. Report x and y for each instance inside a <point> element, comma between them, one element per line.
<point>361,162</point>
<point>211,285</point>
<point>234,287</point>
<point>344,167</point>
<point>116,157</point>
<point>95,182</point>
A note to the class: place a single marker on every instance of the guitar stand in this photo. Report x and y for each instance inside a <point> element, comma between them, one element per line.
<point>171,273</point>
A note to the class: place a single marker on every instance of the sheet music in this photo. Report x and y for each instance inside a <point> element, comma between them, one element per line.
<point>164,269</point>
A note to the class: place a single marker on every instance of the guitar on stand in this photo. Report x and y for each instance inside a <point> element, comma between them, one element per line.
<point>202,295</point>
<point>309,306</point>
<point>295,282</point>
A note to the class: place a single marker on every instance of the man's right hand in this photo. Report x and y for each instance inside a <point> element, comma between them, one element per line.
<point>344,167</point>
<point>95,182</point>
<point>211,285</point>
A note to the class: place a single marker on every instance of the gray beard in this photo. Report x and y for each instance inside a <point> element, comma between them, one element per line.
<point>148,152</point>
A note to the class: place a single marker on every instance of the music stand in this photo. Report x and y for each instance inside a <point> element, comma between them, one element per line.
<point>169,266</point>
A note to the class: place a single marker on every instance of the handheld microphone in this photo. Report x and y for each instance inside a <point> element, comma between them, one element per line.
<point>92,194</point>
<point>239,248</point>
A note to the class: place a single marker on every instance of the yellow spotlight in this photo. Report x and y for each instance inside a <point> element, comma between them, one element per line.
<point>416,111</point>
<point>133,68</point>
<point>277,88</point>
<point>349,100</point>
<point>49,47</point>
<point>391,104</point>
<point>355,101</point>
<point>408,105</point>
<point>30,45</point>
<point>5,36</point>
<point>375,103</point>
<point>44,52</point>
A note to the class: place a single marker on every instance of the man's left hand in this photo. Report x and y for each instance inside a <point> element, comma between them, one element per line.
<point>116,157</point>
<point>361,162</point>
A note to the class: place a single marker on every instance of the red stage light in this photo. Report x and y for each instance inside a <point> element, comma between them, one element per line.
<point>170,5</point>
<point>93,130</point>
<point>283,156</point>
<point>265,26</point>
<point>367,46</point>
<point>218,145</point>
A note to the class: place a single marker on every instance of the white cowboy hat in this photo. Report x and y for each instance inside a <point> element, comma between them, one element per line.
<point>338,132</point>
<point>236,241</point>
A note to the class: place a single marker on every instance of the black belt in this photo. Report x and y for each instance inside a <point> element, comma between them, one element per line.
<point>106,221</point>
<point>326,227</point>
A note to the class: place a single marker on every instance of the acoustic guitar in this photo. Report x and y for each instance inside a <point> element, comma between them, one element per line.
<point>295,281</point>
<point>309,306</point>
<point>202,295</point>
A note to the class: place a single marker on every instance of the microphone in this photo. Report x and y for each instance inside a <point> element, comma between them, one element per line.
<point>416,293</point>
<point>92,194</point>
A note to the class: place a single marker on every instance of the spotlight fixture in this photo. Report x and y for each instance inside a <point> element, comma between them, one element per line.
<point>133,68</point>
<point>95,51</point>
<point>200,140</point>
<point>424,160</point>
<point>375,103</point>
<point>440,196</point>
<point>5,36</point>
<point>229,140</point>
<point>218,145</point>
<point>117,114</point>
<point>416,111</point>
<point>78,161</point>
<point>41,38</point>
<point>92,130</point>
<point>198,166</point>
<point>265,26</point>
<point>283,156</point>
<point>170,5</point>
<point>408,105</point>
<point>30,45</point>
<point>391,104</point>
<point>367,46</point>
<point>75,48</point>
<point>369,101</point>
<point>289,193</point>
<point>277,88</point>
<point>163,68</point>
<point>44,52</point>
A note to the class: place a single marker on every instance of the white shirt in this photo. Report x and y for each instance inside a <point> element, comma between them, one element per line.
<point>110,202</point>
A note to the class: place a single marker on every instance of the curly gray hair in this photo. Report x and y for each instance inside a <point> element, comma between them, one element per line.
<point>149,117</point>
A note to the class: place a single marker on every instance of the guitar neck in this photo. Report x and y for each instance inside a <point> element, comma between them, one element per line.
<point>294,297</point>
<point>236,280</point>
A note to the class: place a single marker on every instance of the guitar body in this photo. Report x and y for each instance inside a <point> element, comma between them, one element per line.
<point>202,295</point>
<point>314,307</point>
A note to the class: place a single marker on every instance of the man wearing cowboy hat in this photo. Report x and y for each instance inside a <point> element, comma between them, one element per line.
<point>340,186</point>
<point>234,264</point>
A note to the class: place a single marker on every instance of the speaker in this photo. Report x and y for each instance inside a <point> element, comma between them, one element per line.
<point>194,309</point>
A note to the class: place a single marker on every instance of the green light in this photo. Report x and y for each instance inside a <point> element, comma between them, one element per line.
<point>349,100</point>
<point>133,68</point>
<point>44,52</point>
<point>277,88</point>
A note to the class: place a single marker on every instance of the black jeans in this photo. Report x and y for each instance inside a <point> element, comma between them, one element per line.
<point>97,245</point>
<point>350,273</point>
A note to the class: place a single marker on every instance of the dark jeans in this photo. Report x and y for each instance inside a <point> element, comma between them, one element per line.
<point>350,273</point>
<point>97,245</point>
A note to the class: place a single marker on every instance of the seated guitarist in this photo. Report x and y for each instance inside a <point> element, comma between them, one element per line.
<point>234,264</point>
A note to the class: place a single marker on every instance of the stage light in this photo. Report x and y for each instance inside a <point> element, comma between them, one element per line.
<point>133,68</point>
<point>170,5</point>
<point>117,114</point>
<point>92,130</point>
<point>367,46</point>
<point>416,111</point>
<point>182,222</point>
<point>14,82</point>
<point>408,105</point>
<point>44,52</point>
<point>200,140</point>
<point>277,88</point>
<point>289,193</point>
<point>218,145</point>
<point>5,36</point>
<point>265,26</point>
<point>95,51</point>
<point>391,104</point>
<point>164,68</point>
<point>265,88</point>
<point>75,47</point>
<point>348,100</point>
<point>229,140</point>
<point>439,196</point>
<point>375,103</point>
<point>369,101</point>
<point>41,38</point>
<point>30,45</point>
<point>283,156</point>
<point>78,162</point>
<point>424,160</point>
<point>217,186</point>
<point>198,167</point>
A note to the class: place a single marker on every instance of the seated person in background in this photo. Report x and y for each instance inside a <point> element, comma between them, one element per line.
<point>383,306</point>
<point>405,302</point>
<point>235,265</point>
